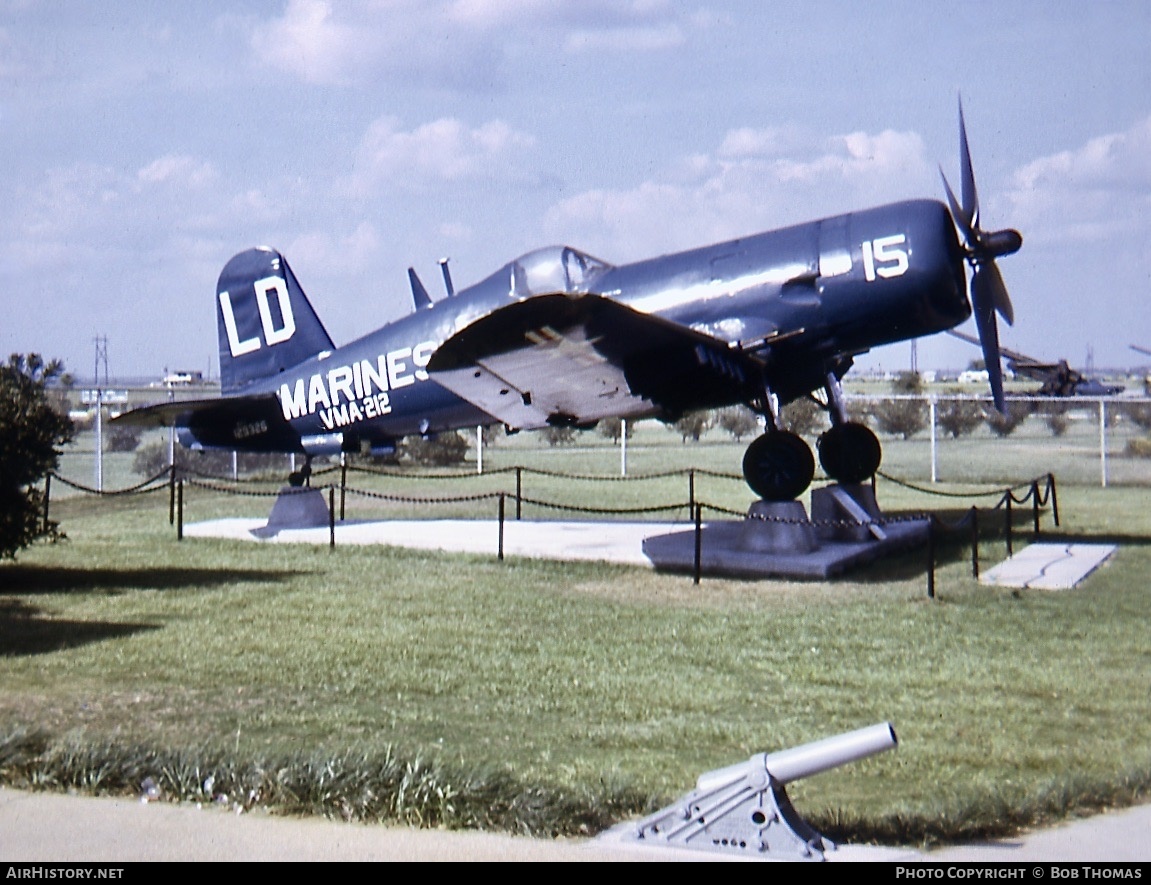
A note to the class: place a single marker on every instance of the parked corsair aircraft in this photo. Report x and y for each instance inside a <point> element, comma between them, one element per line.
<point>557,337</point>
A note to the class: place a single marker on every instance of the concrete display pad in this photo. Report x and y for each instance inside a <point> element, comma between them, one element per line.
<point>775,540</point>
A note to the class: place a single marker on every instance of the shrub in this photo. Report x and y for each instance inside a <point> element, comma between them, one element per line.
<point>958,417</point>
<point>441,450</point>
<point>1004,424</point>
<point>900,417</point>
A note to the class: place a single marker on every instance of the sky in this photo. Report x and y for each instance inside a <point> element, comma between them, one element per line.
<point>145,143</point>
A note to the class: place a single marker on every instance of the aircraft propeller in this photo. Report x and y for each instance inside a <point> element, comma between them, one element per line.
<point>988,292</point>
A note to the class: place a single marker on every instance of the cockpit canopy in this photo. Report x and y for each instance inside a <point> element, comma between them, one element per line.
<point>548,270</point>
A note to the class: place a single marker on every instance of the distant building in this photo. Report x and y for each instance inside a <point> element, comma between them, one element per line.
<point>175,379</point>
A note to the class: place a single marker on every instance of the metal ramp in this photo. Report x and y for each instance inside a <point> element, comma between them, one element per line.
<point>1048,566</point>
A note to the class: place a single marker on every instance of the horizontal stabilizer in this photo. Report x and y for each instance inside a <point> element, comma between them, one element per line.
<point>245,423</point>
<point>553,359</point>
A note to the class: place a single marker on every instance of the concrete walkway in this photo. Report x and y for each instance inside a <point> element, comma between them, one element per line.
<point>54,827</point>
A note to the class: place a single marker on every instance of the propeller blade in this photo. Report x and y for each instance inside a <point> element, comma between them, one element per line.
<point>970,197</point>
<point>983,306</point>
<point>958,213</point>
<point>998,291</point>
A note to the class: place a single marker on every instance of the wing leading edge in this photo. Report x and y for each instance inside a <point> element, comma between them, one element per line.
<point>562,360</point>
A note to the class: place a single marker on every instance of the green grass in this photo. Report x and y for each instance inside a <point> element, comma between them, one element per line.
<point>567,695</point>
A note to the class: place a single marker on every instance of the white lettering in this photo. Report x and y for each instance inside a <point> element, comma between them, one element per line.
<point>879,255</point>
<point>396,366</point>
<point>370,375</point>
<point>235,345</point>
<point>293,401</point>
<point>272,335</point>
<point>340,381</point>
<point>317,393</point>
<point>421,356</point>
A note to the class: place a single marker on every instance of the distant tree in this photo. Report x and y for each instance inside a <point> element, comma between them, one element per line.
<point>1055,415</point>
<point>31,434</point>
<point>1138,414</point>
<point>958,417</point>
<point>612,428</point>
<point>693,425</point>
<point>121,437</point>
<point>907,382</point>
<point>151,460</point>
<point>1003,425</point>
<point>739,421</point>
<point>559,436</point>
<point>803,416</point>
<point>441,450</point>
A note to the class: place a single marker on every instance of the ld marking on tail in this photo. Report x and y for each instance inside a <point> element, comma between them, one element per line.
<point>273,335</point>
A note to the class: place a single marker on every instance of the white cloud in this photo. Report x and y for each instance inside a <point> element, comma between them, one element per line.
<point>442,150</point>
<point>308,42</point>
<point>626,39</point>
<point>755,180</point>
<point>1097,191</point>
<point>178,169</point>
<point>463,43</point>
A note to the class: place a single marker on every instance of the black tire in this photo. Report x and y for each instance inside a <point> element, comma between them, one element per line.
<point>778,466</point>
<point>850,452</point>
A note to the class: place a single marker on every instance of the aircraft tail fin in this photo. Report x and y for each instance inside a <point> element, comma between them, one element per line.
<point>265,322</point>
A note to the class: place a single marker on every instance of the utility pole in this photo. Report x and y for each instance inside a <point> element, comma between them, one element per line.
<point>101,357</point>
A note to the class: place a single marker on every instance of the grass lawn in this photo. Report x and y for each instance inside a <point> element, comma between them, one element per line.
<point>123,651</point>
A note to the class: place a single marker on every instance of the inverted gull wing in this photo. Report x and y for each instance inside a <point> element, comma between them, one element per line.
<point>557,359</point>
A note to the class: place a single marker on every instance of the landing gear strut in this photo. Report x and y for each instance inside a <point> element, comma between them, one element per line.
<point>848,452</point>
<point>779,465</point>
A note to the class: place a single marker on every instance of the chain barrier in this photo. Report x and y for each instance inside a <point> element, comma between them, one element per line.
<point>139,488</point>
<point>1037,495</point>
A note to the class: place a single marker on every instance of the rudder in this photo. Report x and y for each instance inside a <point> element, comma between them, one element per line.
<point>265,322</point>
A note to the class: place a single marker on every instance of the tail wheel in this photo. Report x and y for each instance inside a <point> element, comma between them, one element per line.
<point>778,466</point>
<point>302,476</point>
<point>850,452</point>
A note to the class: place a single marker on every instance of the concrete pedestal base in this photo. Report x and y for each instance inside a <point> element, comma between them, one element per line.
<point>296,507</point>
<point>777,539</point>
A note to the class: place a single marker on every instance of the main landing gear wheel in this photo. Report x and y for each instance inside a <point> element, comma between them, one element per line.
<point>778,466</point>
<point>849,452</point>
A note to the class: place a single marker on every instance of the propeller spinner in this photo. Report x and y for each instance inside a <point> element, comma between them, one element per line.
<point>988,292</point>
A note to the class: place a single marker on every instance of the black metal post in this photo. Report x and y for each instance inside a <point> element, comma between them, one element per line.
<point>331,518</point>
<point>691,490</point>
<point>1054,498</point>
<point>501,553</point>
<point>343,486</point>
<point>698,567</point>
<point>519,492</point>
<point>931,558</point>
<point>180,511</point>
<point>1007,510</point>
<point>975,542</point>
<point>1035,505</point>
